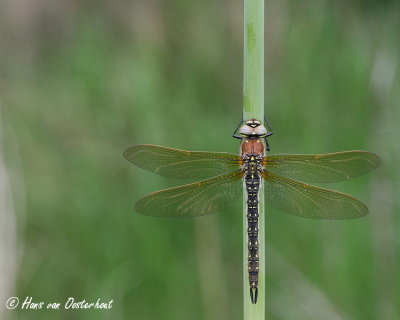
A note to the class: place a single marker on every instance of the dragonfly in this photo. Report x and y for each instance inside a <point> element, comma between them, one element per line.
<point>223,176</point>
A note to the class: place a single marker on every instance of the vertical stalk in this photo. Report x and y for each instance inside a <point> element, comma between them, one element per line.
<point>253,75</point>
<point>253,107</point>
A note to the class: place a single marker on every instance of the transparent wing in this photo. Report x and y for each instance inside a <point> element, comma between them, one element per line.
<point>329,167</point>
<point>182,164</point>
<point>195,199</point>
<point>308,201</point>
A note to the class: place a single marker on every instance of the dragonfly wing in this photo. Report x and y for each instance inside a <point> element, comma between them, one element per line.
<point>329,167</point>
<point>195,199</point>
<point>308,201</point>
<point>182,164</point>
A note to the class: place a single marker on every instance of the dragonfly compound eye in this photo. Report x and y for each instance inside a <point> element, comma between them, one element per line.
<point>260,131</point>
<point>246,130</point>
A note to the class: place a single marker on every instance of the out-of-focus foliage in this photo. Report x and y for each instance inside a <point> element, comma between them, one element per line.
<point>80,81</point>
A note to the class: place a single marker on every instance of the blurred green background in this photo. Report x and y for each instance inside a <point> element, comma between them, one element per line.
<point>80,81</point>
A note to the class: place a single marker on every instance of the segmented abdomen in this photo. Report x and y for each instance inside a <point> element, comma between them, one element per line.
<point>252,180</point>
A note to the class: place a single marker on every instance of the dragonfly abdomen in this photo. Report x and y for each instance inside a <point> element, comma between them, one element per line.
<point>252,180</point>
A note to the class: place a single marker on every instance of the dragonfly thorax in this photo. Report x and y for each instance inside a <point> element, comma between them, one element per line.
<point>252,147</point>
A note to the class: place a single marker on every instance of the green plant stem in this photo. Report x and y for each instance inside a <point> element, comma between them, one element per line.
<point>253,107</point>
<point>253,75</point>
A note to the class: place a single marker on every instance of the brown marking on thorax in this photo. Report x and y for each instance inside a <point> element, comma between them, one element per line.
<point>253,146</point>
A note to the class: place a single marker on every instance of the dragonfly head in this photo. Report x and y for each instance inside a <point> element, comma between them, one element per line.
<point>254,129</point>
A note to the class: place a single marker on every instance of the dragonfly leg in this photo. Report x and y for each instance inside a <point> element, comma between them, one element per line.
<point>235,135</point>
<point>267,145</point>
